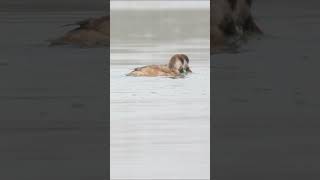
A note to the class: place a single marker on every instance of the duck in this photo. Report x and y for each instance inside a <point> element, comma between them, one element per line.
<point>231,23</point>
<point>90,32</point>
<point>178,65</point>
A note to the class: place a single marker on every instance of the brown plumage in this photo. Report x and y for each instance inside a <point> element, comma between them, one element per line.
<point>178,65</point>
<point>90,32</point>
<point>231,20</point>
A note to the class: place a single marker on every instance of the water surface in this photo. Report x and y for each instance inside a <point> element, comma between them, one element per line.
<point>267,97</point>
<point>159,126</point>
<point>52,104</point>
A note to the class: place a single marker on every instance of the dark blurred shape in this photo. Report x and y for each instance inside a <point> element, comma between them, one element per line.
<point>90,32</point>
<point>231,22</point>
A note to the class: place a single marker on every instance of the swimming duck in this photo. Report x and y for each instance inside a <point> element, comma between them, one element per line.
<point>178,65</point>
<point>90,32</point>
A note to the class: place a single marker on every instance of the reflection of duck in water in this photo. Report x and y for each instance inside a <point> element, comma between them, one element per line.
<point>91,32</point>
<point>178,65</point>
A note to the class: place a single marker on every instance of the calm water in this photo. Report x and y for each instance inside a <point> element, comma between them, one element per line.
<point>57,116</point>
<point>159,126</point>
<point>52,105</point>
<point>267,97</point>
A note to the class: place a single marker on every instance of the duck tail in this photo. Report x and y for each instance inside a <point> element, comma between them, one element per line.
<point>134,73</point>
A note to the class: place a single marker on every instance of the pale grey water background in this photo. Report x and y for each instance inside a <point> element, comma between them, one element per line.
<point>160,127</point>
<point>52,100</point>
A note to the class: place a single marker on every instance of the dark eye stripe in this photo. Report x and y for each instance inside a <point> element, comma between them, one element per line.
<point>185,57</point>
<point>181,60</point>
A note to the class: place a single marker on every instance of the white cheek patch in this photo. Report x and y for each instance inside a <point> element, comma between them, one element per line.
<point>178,64</point>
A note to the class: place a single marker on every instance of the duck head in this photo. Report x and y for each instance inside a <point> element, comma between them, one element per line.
<point>180,63</point>
<point>241,11</point>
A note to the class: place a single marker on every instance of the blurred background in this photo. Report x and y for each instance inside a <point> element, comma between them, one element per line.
<point>53,99</point>
<point>50,5</point>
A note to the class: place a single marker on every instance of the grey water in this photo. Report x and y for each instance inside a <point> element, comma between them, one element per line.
<point>52,111</point>
<point>266,97</point>
<point>160,127</point>
<point>52,106</point>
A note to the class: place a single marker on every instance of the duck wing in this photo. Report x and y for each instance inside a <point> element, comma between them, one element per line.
<point>89,23</point>
<point>82,23</point>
